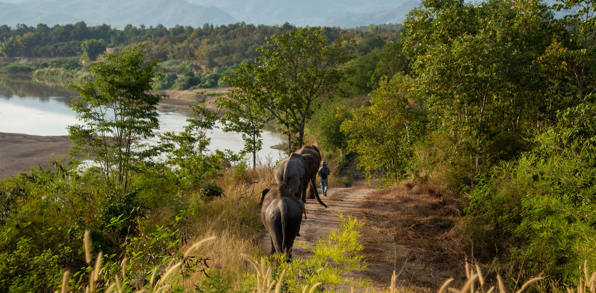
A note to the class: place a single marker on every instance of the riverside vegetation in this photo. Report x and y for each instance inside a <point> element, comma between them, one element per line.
<point>492,101</point>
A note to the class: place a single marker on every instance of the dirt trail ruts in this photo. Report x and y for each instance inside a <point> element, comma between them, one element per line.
<point>407,229</point>
<point>321,221</point>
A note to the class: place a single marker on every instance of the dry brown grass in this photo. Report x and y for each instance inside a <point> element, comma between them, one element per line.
<point>232,219</point>
<point>414,227</point>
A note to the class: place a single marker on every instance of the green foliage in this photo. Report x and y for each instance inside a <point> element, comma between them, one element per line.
<point>333,257</point>
<point>360,72</point>
<point>186,152</point>
<point>117,110</point>
<point>43,268</point>
<point>210,45</point>
<point>93,48</point>
<point>325,124</point>
<point>346,181</point>
<point>211,189</point>
<point>296,72</point>
<point>9,47</point>
<point>384,133</point>
<point>243,115</point>
<point>543,203</point>
<point>479,83</point>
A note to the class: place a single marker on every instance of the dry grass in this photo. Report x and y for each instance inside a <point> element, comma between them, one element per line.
<point>235,221</point>
<point>414,227</point>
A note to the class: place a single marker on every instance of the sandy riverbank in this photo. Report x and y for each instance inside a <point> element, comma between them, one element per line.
<point>21,151</point>
<point>180,100</point>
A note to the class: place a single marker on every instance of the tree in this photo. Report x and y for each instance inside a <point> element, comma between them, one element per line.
<point>326,123</point>
<point>187,150</point>
<point>245,116</point>
<point>296,72</point>
<point>478,71</point>
<point>384,133</point>
<point>92,48</point>
<point>117,111</point>
<point>9,47</point>
<point>579,57</point>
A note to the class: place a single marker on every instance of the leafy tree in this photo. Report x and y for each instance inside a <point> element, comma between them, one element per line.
<point>117,110</point>
<point>326,123</point>
<point>578,57</point>
<point>187,151</point>
<point>391,61</point>
<point>384,133</point>
<point>478,69</point>
<point>295,73</point>
<point>360,72</point>
<point>9,47</point>
<point>92,48</point>
<point>542,205</point>
<point>244,116</point>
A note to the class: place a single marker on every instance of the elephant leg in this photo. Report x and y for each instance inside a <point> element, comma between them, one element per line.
<point>272,246</point>
<point>288,249</point>
<point>312,189</point>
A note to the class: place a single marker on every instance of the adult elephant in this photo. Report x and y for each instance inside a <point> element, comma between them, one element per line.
<point>292,171</point>
<point>312,160</point>
<point>281,214</point>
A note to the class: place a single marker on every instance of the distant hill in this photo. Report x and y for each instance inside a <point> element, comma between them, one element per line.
<point>349,20</point>
<point>301,13</point>
<point>116,13</point>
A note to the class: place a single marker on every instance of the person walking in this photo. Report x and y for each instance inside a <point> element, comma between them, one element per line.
<point>324,173</point>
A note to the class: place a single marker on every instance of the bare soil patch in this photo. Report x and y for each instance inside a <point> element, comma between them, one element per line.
<point>21,151</point>
<point>180,100</point>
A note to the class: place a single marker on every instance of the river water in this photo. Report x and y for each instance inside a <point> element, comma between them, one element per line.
<point>37,109</point>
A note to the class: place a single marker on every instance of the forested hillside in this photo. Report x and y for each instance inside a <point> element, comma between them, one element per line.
<point>209,45</point>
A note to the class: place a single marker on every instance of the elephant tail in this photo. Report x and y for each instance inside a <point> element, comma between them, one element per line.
<point>284,224</point>
<point>277,234</point>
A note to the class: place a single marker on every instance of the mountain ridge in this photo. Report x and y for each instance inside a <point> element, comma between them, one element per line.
<point>113,12</point>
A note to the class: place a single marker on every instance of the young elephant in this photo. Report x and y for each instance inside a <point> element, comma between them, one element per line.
<point>281,214</point>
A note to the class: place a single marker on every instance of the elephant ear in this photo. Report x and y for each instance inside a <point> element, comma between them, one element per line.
<point>263,193</point>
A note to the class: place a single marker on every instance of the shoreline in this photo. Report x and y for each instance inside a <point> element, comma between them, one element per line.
<point>22,151</point>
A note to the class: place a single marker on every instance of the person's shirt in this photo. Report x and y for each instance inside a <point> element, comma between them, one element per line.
<point>324,172</point>
<point>302,204</point>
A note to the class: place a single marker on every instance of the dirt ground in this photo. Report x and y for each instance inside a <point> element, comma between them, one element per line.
<point>21,151</point>
<point>179,100</point>
<point>409,229</point>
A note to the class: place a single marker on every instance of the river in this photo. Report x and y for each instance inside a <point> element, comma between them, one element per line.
<point>36,109</point>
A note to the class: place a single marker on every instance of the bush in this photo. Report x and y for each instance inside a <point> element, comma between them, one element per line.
<point>346,181</point>
<point>211,189</point>
<point>544,204</point>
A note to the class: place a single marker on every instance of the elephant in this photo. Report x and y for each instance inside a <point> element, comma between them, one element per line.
<point>281,214</point>
<point>312,160</point>
<point>292,171</point>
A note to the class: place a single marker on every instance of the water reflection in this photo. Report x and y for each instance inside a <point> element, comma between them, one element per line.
<point>23,87</point>
<point>36,109</point>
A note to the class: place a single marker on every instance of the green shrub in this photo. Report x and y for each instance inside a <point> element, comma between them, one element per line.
<point>211,189</point>
<point>543,205</point>
<point>333,258</point>
<point>346,181</point>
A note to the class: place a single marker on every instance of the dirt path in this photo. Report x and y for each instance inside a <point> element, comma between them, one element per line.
<point>407,229</point>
